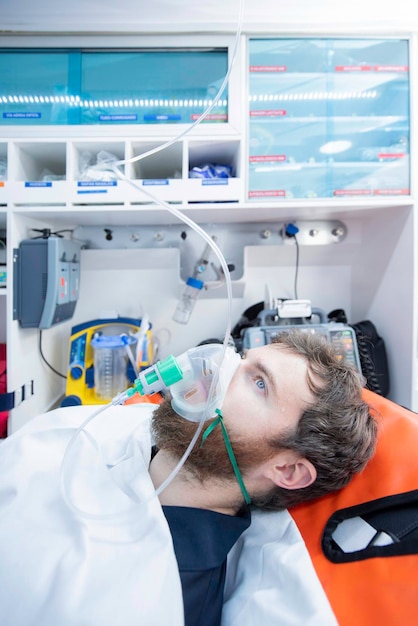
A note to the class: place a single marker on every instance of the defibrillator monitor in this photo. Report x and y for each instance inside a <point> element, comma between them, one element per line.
<point>342,337</point>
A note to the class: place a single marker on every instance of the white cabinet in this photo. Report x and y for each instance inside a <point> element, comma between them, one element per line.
<point>53,181</point>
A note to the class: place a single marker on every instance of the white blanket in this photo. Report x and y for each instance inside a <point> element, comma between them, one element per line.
<point>271,579</point>
<point>108,558</point>
<point>105,557</point>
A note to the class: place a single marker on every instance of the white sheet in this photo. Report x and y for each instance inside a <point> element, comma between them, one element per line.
<point>60,569</point>
<point>271,579</point>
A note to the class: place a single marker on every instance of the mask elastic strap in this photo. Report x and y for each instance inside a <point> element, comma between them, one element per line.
<point>211,428</point>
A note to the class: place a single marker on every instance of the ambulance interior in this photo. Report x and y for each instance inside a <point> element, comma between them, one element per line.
<point>310,218</point>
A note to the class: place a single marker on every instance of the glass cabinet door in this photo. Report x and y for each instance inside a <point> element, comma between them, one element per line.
<point>328,118</point>
<point>156,86</point>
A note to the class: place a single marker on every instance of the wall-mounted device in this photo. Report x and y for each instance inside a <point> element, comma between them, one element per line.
<point>46,281</point>
<point>299,314</point>
<point>98,370</point>
<point>340,335</point>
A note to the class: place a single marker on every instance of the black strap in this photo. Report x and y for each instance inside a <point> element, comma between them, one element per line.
<point>383,527</point>
<point>7,401</point>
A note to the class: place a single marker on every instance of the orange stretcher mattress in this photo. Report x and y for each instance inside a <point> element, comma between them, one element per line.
<point>377,590</point>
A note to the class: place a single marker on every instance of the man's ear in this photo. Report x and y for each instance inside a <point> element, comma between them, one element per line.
<point>293,473</point>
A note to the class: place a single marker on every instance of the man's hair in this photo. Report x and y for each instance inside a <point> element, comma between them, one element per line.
<point>336,433</point>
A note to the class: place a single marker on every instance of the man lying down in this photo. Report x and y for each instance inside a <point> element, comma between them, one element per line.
<point>84,541</point>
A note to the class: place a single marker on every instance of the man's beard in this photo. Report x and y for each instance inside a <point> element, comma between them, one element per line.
<point>173,434</point>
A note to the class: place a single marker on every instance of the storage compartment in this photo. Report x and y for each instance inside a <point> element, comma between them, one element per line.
<point>213,171</point>
<point>39,162</point>
<point>215,152</point>
<point>328,118</point>
<point>37,172</point>
<point>91,167</point>
<point>163,164</point>
<point>160,173</point>
<point>92,160</point>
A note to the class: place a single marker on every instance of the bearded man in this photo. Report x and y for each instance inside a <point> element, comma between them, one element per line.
<point>84,540</point>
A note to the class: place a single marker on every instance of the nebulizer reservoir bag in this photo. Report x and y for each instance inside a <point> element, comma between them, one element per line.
<point>197,379</point>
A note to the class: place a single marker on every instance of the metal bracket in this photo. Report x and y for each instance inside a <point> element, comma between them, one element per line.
<point>230,238</point>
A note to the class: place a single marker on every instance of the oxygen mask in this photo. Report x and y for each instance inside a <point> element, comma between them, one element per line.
<point>197,379</point>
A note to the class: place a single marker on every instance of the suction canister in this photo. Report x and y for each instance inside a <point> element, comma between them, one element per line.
<point>110,364</point>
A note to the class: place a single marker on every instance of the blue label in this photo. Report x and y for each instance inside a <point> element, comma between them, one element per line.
<point>97,183</point>
<point>91,190</point>
<point>36,183</point>
<point>214,181</point>
<point>157,181</point>
<point>158,117</point>
<point>22,115</point>
<point>119,117</point>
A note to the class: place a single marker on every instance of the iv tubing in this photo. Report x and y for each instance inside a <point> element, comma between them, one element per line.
<point>210,242</point>
<point>228,283</point>
<point>182,217</point>
<point>204,114</point>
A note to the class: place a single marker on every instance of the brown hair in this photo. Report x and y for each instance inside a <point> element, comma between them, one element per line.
<point>336,433</point>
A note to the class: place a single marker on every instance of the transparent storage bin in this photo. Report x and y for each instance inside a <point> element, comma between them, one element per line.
<point>328,118</point>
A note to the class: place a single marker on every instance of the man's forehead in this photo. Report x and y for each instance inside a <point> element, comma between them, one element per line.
<point>269,349</point>
<point>279,362</point>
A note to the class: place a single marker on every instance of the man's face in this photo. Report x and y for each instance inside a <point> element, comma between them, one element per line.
<point>265,398</point>
<point>267,394</point>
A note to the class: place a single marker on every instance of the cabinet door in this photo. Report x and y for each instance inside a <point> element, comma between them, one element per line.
<point>129,86</point>
<point>328,118</point>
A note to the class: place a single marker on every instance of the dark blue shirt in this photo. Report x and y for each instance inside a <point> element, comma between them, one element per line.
<point>202,540</point>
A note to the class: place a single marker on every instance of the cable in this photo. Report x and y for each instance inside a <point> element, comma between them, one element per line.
<point>44,359</point>
<point>296,267</point>
<point>291,230</point>
<point>115,164</point>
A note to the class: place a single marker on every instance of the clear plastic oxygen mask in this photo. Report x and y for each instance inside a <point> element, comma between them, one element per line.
<point>197,379</point>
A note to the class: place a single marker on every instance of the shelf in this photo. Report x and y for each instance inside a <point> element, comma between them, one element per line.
<point>136,213</point>
<point>54,173</point>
